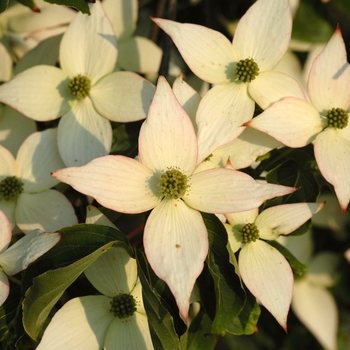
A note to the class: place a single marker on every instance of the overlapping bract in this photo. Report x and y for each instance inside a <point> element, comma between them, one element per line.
<point>218,135</point>
<point>175,238</point>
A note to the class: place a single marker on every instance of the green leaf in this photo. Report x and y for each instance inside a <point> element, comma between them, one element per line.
<point>199,333</point>
<point>162,323</point>
<point>3,5</point>
<point>80,5</point>
<point>48,288</point>
<point>80,246</point>
<point>245,323</point>
<point>125,139</point>
<point>11,316</point>
<point>290,174</point>
<point>310,26</point>
<point>77,242</point>
<point>230,297</point>
<point>298,268</point>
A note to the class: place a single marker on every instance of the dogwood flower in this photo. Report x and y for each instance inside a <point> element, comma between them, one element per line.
<point>312,302</point>
<point>242,71</point>
<point>14,128</point>
<point>85,91</point>
<point>17,257</point>
<point>114,320</point>
<point>6,64</point>
<point>22,29</point>
<point>264,270</point>
<point>324,121</point>
<point>242,151</point>
<point>136,53</point>
<point>175,237</point>
<point>96,322</point>
<point>25,182</point>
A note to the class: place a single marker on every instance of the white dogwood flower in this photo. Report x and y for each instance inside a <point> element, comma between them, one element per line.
<point>175,237</point>
<point>264,270</point>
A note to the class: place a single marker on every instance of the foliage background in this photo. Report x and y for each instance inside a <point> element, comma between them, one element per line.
<point>314,22</point>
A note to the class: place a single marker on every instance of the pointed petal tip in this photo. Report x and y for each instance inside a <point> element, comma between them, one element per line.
<point>57,173</point>
<point>184,317</point>
<point>156,19</point>
<point>162,80</point>
<point>320,207</point>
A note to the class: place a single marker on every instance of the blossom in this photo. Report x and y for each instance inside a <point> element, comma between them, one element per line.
<point>259,43</point>
<point>175,237</point>
<point>242,151</point>
<point>25,182</point>
<point>6,64</point>
<point>14,128</point>
<point>312,302</point>
<point>95,322</point>
<point>264,270</point>
<point>17,257</point>
<point>85,91</point>
<point>136,53</point>
<point>296,122</point>
<point>22,29</point>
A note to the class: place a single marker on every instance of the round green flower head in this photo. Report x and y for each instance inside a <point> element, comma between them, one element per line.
<point>337,118</point>
<point>246,70</point>
<point>173,184</point>
<point>10,188</point>
<point>250,233</point>
<point>123,305</point>
<point>80,87</point>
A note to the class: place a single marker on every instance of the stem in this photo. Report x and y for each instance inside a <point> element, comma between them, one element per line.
<point>14,280</point>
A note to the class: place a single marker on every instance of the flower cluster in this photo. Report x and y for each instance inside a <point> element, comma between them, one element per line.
<point>201,183</point>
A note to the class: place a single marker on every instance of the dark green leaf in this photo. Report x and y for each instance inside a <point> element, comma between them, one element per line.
<point>80,5</point>
<point>11,316</point>
<point>80,246</point>
<point>47,289</point>
<point>290,174</point>
<point>3,5</point>
<point>125,139</point>
<point>298,268</point>
<point>310,26</point>
<point>245,323</point>
<point>77,242</point>
<point>230,297</point>
<point>161,321</point>
<point>199,333</point>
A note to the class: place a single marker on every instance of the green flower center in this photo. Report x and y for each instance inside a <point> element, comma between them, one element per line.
<point>10,188</point>
<point>123,305</point>
<point>80,87</point>
<point>208,158</point>
<point>173,184</point>
<point>247,70</point>
<point>337,118</point>
<point>250,233</point>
